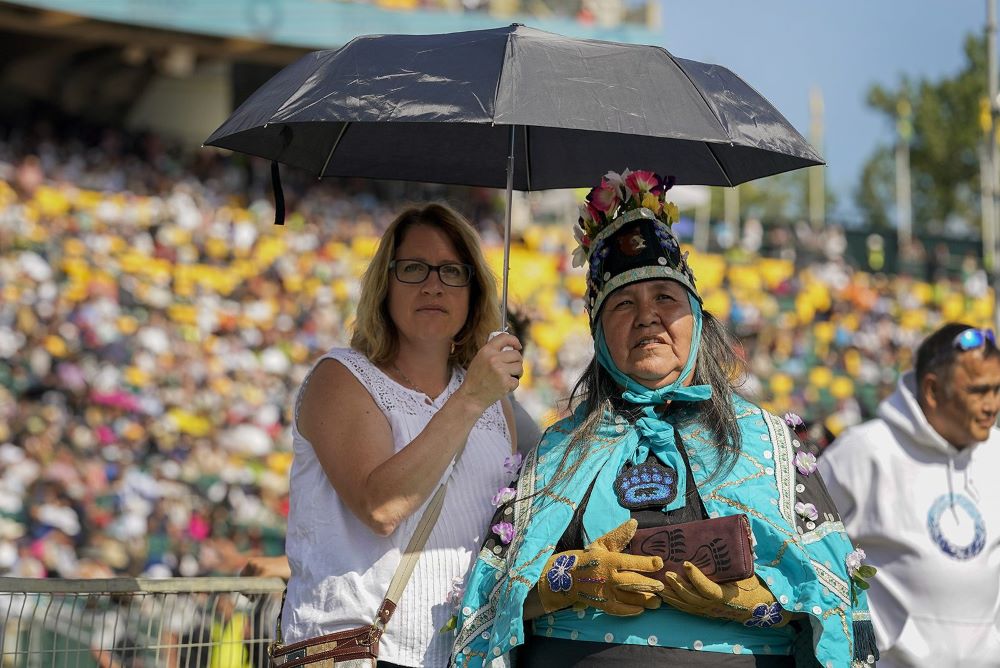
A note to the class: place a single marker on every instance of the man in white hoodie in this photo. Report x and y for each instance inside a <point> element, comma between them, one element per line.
<point>919,490</point>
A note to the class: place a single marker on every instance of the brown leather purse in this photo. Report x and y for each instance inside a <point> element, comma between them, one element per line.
<point>347,649</point>
<point>720,547</point>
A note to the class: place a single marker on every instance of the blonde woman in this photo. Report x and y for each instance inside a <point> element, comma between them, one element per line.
<point>379,425</point>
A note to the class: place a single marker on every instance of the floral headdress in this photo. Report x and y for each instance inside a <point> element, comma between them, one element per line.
<point>625,232</point>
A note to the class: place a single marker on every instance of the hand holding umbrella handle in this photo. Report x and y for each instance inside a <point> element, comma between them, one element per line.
<point>494,335</point>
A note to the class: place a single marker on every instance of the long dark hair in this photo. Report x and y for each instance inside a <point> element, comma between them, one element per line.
<point>717,365</point>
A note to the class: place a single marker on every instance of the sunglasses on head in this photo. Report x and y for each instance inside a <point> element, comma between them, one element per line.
<point>972,339</point>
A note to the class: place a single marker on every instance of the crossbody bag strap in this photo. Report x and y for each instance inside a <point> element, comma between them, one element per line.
<point>410,556</point>
<point>403,571</point>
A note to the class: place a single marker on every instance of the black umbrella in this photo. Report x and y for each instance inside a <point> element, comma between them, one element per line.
<point>512,107</point>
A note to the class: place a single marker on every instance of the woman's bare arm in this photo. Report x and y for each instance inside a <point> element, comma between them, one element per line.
<point>354,443</point>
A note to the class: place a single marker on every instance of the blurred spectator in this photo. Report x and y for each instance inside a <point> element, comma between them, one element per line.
<point>905,486</point>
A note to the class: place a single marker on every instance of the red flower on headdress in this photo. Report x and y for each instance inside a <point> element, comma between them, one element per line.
<point>605,197</point>
<point>595,215</point>
<point>642,182</point>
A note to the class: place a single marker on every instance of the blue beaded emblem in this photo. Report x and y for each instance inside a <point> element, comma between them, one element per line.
<point>647,485</point>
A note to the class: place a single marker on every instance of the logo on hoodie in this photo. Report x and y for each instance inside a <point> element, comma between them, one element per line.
<point>950,515</point>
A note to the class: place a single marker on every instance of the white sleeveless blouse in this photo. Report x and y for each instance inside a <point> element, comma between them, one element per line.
<point>341,569</point>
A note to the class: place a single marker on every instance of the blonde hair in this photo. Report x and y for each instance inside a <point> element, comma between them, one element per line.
<point>376,335</point>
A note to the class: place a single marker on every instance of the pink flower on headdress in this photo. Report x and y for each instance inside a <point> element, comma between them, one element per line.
<point>619,181</point>
<point>605,197</point>
<point>642,182</point>
<point>596,216</point>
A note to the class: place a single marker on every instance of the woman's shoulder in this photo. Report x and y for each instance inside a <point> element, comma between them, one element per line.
<point>353,360</point>
<point>744,408</point>
<point>344,354</point>
<point>334,367</point>
<point>558,434</point>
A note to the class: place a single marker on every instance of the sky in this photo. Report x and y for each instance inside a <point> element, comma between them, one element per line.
<point>784,48</point>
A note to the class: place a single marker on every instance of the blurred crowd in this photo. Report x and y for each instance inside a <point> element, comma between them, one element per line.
<point>154,325</point>
<point>607,13</point>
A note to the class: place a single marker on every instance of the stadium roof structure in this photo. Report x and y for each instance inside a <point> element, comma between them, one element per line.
<point>99,59</point>
<point>304,24</point>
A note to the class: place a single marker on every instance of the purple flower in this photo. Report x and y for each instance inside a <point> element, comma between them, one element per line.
<point>503,495</point>
<point>854,560</point>
<point>456,592</point>
<point>512,463</point>
<point>794,421</point>
<point>807,510</point>
<point>805,462</point>
<point>505,530</point>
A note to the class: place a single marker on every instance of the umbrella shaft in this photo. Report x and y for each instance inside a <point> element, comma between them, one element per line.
<point>506,231</point>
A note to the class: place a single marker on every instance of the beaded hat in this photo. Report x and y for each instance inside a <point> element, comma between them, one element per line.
<point>625,232</point>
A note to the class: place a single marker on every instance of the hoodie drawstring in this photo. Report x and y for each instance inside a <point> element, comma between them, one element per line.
<point>951,485</point>
<point>970,485</point>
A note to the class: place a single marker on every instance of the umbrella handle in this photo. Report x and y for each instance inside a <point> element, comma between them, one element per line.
<point>497,333</point>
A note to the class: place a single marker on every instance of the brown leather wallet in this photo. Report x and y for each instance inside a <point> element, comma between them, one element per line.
<point>720,547</point>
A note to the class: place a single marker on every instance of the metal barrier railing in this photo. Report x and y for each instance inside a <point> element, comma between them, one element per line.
<point>135,622</point>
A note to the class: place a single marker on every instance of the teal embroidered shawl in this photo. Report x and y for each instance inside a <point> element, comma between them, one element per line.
<point>802,563</point>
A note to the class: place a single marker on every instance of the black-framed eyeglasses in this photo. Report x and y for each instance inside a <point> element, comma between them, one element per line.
<point>454,274</point>
<point>972,338</point>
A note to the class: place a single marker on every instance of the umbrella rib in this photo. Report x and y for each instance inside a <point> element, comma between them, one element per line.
<point>503,69</point>
<point>722,169</point>
<point>711,108</point>
<point>333,148</point>
<point>700,93</point>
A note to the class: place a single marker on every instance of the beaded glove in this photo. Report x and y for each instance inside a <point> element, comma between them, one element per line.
<point>602,576</point>
<point>748,602</point>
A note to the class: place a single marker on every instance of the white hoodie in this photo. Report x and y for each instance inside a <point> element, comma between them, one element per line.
<point>928,516</point>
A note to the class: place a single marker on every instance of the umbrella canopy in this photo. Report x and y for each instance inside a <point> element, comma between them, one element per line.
<point>446,108</point>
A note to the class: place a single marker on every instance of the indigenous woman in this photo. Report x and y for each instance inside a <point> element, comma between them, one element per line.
<point>660,442</point>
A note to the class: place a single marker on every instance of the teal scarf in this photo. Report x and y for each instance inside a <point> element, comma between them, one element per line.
<point>651,433</point>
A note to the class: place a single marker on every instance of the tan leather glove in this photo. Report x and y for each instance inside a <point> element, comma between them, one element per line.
<point>748,602</point>
<point>602,577</point>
